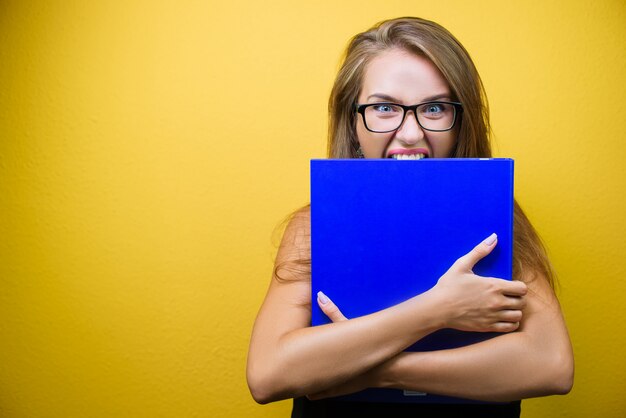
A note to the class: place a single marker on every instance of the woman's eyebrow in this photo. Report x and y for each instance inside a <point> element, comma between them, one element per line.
<point>383,97</point>
<point>389,98</point>
<point>437,97</point>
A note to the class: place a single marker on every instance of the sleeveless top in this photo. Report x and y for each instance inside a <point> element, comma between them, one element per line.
<point>325,408</point>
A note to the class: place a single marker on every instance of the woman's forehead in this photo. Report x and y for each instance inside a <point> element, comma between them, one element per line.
<point>402,75</point>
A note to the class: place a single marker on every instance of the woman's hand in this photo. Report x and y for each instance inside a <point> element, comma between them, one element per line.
<point>467,302</point>
<point>329,308</point>
<point>474,303</point>
<point>470,303</point>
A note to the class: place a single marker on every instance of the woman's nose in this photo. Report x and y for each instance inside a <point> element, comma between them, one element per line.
<point>410,132</point>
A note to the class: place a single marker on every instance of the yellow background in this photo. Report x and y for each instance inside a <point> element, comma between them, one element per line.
<point>149,149</point>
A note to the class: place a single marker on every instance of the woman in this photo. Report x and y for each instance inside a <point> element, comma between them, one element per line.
<point>400,83</point>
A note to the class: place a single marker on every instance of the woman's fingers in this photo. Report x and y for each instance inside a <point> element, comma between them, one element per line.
<point>329,308</point>
<point>479,252</point>
<point>514,288</point>
<point>517,303</point>
<point>511,315</point>
<point>505,326</point>
<point>474,303</point>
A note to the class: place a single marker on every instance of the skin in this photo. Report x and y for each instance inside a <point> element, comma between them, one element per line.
<point>349,355</point>
<point>537,358</point>
<point>404,78</point>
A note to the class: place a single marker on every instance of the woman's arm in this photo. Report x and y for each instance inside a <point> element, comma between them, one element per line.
<point>288,358</point>
<point>536,360</point>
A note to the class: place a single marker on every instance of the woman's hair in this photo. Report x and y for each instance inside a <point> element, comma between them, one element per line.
<point>432,41</point>
<point>420,37</point>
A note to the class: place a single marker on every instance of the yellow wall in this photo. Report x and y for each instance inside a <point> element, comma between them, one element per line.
<point>149,148</point>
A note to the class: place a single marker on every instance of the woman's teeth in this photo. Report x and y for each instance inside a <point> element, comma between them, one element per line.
<point>407,156</point>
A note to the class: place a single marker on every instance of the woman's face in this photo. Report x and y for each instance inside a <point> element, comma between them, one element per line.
<point>401,77</point>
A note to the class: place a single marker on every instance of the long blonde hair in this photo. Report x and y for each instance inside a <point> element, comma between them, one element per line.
<point>424,38</point>
<point>430,40</point>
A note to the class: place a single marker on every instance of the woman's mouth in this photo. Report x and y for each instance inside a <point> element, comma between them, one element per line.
<point>408,154</point>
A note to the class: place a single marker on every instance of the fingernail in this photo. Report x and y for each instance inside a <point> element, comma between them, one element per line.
<point>322,298</point>
<point>490,239</point>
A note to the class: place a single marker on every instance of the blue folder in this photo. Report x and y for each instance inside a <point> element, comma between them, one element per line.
<point>383,231</point>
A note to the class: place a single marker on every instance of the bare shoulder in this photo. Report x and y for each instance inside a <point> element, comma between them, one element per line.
<point>287,304</point>
<point>543,311</point>
<point>293,261</point>
<point>540,294</point>
<point>299,223</point>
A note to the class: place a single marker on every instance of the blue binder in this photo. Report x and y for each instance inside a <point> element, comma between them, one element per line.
<point>383,231</point>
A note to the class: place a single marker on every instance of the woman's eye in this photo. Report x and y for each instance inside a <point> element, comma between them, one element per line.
<point>433,110</point>
<point>385,108</point>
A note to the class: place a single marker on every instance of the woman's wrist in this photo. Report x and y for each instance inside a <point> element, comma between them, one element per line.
<point>428,311</point>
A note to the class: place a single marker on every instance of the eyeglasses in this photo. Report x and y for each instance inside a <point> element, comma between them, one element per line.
<point>431,116</point>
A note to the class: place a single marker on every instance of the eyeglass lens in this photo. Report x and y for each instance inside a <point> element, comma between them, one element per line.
<point>385,117</point>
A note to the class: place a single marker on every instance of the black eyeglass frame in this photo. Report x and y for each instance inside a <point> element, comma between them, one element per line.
<point>458,108</point>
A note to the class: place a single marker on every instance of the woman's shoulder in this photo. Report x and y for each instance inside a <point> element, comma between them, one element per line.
<point>302,215</point>
<point>298,228</point>
<point>293,261</point>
